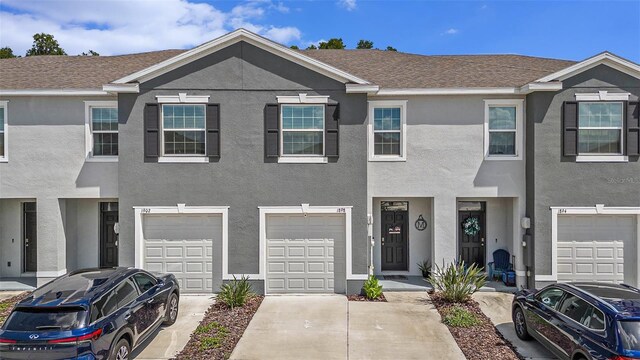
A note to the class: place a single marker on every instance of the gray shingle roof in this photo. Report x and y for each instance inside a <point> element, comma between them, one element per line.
<point>385,68</point>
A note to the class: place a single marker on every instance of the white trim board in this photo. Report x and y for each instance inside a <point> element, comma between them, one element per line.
<point>307,209</point>
<point>598,209</point>
<point>303,99</point>
<point>140,211</point>
<point>607,58</point>
<point>233,38</point>
<point>182,98</point>
<point>54,92</point>
<point>5,130</point>
<point>602,96</point>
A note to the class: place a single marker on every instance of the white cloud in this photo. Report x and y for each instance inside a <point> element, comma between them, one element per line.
<point>348,4</point>
<point>451,31</point>
<point>117,27</point>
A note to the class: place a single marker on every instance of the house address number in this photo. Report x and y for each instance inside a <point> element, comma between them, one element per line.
<point>342,210</point>
<point>562,211</point>
<point>146,210</point>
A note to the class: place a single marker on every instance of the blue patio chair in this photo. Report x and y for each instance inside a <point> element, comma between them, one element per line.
<point>501,263</point>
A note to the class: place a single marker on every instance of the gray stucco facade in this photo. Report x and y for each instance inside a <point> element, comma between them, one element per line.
<point>47,165</point>
<point>556,180</point>
<point>243,79</point>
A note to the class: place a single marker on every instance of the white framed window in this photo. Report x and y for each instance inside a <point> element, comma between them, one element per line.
<point>600,128</point>
<point>101,130</point>
<point>302,127</point>
<point>4,132</point>
<point>503,129</point>
<point>387,130</point>
<point>183,130</point>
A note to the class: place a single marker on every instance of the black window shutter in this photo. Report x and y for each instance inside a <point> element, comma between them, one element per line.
<point>332,130</point>
<point>633,128</point>
<point>151,133</point>
<point>271,131</point>
<point>213,131</point>
<point>570,128</point>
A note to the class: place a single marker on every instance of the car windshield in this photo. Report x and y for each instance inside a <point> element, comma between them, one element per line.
<point>630,334</point>
<point>45,319</point>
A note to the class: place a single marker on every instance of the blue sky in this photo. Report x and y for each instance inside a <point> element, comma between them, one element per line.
<point>560,29</point>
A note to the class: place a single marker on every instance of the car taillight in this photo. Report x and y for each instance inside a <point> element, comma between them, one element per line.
<point>620,357</point>
<point>7,341</point>
<point>89,337</point>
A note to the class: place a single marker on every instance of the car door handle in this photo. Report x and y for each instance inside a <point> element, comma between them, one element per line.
<point>127,316</point>
<point>150,301</point>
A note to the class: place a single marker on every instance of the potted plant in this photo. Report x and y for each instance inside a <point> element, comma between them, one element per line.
<point>425,268</point>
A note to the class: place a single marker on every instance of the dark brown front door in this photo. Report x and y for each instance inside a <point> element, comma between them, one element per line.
<point>30,236</point>
<point>108,236</point>
<point>472,246</point>
<point>394,240</point>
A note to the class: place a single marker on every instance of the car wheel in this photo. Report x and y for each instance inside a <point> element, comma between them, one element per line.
<point>520,324</point>
<point>121,351</point>
<point>172,310</point>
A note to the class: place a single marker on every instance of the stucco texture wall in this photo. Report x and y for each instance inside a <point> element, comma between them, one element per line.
<point>243,79</point>
<point>554,180</point>
<point>445,162</point>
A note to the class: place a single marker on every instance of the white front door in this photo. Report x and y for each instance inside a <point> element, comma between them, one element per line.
<point>597,248</point>
<point>300,252</point>
<point>182,244</point>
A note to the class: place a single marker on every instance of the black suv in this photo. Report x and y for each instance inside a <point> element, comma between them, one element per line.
<point>90,314</point>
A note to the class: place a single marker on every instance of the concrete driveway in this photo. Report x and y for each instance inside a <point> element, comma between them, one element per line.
<point>497,306</point>
<point>168,341</point>
<point>330,327</point>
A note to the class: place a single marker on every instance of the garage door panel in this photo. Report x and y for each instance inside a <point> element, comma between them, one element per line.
<point>300,252</point>
<point>593,248</point>
<point>182,244</point>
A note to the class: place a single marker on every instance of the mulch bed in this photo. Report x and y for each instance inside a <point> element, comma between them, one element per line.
<point>478,342</point>
<point>219,331</point>
<point>364,298</point>
<point>7,305</point>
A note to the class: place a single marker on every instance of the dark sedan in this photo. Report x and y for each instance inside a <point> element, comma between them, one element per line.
<point>581,321</point>
<point>90,314</point>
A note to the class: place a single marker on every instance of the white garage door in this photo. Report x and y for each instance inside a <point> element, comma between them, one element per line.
<point>181,244</point>
<point>300,252</point>
<point>597,248</point>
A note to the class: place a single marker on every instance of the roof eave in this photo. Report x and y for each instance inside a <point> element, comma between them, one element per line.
<point>607,58</point>
<point>230,39</point>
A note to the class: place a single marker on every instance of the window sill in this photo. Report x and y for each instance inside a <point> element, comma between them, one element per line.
<point>303,160</point>
<point>183,159</point>
<point>102,159</point>
<point>505,157</point>
<point>602,158</point>
<point>4,160</point>
<point>387,158</point>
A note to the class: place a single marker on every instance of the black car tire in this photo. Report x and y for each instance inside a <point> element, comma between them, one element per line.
<point>520,324</point>
<point>171,314</point>
<point>121,351</point>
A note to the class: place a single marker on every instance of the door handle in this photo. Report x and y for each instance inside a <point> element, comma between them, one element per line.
<point>116,243</point>
<point>127,316</point>
<point>150,301</point>
<point>382,240</point>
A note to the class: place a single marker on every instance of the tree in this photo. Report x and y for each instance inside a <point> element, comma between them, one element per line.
<point>364,44</point>
<point>6,53</point>
<point>90,53</point>
<point>334,43</point>
<point>311,47</point>
<point>294,47</point>
<point>45,44</point>
<point>391,48</point>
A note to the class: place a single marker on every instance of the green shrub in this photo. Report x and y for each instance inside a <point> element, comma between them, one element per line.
<point>236,292</point>
<point>372,289</point>
<point>425,268</point>
<point>457,282</point>
<point>458,316</point>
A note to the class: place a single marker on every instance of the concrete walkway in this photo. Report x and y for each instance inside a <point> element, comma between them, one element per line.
<point>168,341</point>
<point>330,327</point>
<point>4,295</point>
<point>497,306</point>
